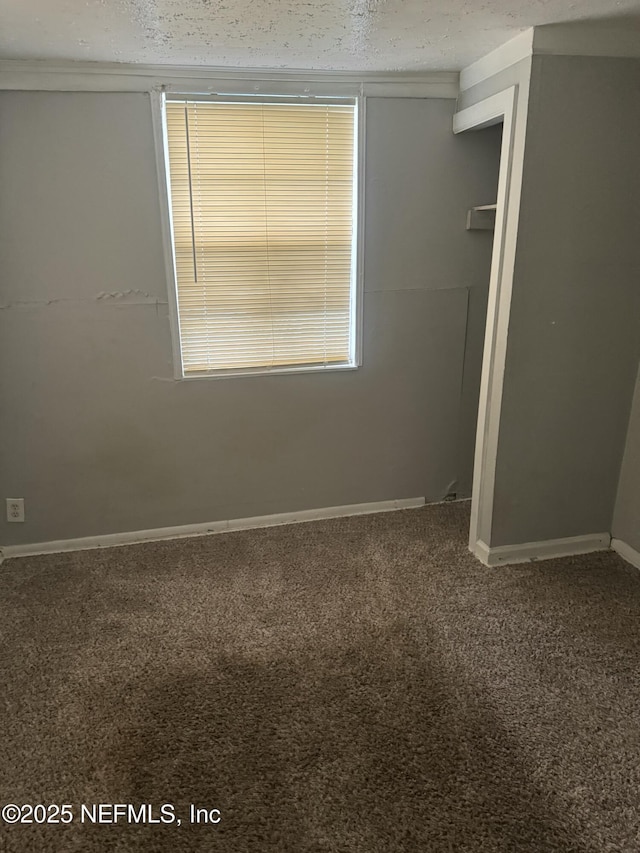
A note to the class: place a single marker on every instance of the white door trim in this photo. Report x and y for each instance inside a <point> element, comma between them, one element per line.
<point>502,107</point>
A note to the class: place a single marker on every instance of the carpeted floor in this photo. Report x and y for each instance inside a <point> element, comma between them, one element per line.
<point>362,685</point>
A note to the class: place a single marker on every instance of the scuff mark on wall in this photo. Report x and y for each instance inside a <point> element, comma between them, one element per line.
<point>27,304</point>
<point>131,295</point>
<point>126,297</point>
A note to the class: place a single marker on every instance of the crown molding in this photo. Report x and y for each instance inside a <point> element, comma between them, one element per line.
<point>502,57</point>
<point>575,39</point>
<point>41,75</point>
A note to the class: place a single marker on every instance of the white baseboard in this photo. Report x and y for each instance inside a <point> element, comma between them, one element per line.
<point>526,552</point>
<point>626,552</point>
<point>136,536</point>
<point>481,551</point>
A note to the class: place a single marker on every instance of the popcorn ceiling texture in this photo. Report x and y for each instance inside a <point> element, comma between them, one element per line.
<point>317,34</point>
<point>361,685</point>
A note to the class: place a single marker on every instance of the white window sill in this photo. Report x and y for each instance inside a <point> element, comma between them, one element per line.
<point>284,371</point>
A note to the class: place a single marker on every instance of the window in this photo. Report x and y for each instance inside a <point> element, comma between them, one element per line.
<point>263,210</point>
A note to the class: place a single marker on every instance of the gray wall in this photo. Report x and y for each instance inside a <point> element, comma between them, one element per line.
<point>626,517</point>
<point>98,437</point>
<point>573,342</point>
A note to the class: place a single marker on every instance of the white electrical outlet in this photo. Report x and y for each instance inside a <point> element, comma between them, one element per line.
<point>15,509</point>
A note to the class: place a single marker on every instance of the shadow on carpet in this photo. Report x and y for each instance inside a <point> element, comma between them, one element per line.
<point>361,684</point>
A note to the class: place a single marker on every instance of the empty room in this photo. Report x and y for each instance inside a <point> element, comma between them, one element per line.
<point>320,421</point>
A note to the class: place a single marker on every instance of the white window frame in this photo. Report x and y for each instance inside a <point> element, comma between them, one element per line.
<point>158,102</point>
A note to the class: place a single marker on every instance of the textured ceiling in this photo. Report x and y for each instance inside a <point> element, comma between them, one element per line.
<point>374,35</point>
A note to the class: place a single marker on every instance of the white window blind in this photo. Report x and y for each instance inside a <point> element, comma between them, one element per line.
<point>262,201</point>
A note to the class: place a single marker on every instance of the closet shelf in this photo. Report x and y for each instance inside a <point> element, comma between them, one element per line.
<point>482,218</point>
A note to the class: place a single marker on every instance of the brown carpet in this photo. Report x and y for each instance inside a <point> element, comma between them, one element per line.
<point>361,684</point>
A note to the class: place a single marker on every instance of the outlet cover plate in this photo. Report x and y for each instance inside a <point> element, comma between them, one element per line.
<point>15,509</point>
